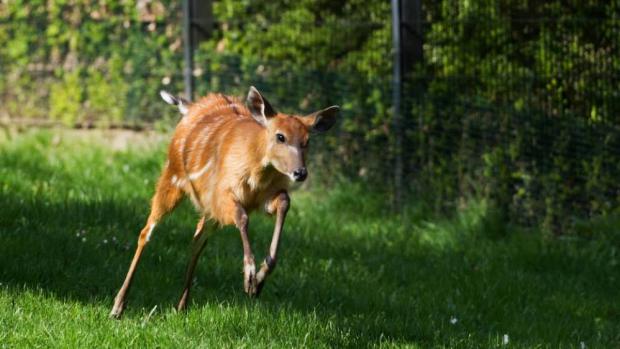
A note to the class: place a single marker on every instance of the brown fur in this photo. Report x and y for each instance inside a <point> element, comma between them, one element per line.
<point>219,133</point>
<point>229,160</point>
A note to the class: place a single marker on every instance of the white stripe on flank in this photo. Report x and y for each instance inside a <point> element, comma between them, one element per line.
<point>178,182</point>
<point>195,175</point>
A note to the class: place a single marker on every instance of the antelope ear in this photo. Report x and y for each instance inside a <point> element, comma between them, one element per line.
<point>259,107</point>
<point>322,120</point>
<point>180,102</point>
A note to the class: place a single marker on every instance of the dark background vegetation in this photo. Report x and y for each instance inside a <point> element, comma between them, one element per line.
<point>515,101</point>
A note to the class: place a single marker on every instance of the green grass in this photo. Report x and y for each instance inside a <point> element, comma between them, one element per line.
<point>350,273</point>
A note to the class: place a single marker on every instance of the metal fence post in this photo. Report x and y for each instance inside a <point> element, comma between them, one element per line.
<point>396,101</point>
<point>188,50</point>
<point>408,50</point>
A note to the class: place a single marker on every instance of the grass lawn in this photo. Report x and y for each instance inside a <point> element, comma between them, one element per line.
<point>349,275</point>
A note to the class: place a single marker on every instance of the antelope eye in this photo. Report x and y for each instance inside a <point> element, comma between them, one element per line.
<point>280,137</point>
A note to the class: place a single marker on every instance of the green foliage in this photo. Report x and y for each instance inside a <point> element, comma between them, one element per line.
<point>515,101</point>
<point>112,56</point>
<point>509,104</point>
<point>66,98</point>
<point>517,106</point>
<point>107,95</point>
<point>306,55</point>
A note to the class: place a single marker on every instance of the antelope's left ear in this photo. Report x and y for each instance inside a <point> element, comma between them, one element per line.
<point>321,120</point>
<point>259,107</point>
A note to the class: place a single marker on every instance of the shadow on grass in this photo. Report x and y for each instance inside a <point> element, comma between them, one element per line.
<point>373,283</point>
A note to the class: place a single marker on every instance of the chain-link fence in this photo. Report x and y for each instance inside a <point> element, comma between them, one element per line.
<point>521,110</point>
<point>516,104</point>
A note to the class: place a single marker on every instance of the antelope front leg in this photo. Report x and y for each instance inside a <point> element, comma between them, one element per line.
<point>279,204</point>
<point>198,245</point>
<point>249,268</point>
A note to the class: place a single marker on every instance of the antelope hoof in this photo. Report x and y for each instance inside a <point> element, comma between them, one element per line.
<point>249,280</point>
<point>265,269</point>
<point>117,311</point>
<point>182,306</point>
<point>268,265</point>
<point>259,287</point>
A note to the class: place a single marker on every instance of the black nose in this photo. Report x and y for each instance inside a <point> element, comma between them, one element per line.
<point>300,174</point>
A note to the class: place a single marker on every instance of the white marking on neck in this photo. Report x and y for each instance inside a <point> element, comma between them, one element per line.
<point>253,182</point>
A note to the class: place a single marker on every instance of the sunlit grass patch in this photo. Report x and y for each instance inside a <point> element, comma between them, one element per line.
<point>351,273</point>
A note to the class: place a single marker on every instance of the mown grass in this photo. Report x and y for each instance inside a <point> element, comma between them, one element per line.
<point>350,275</point>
